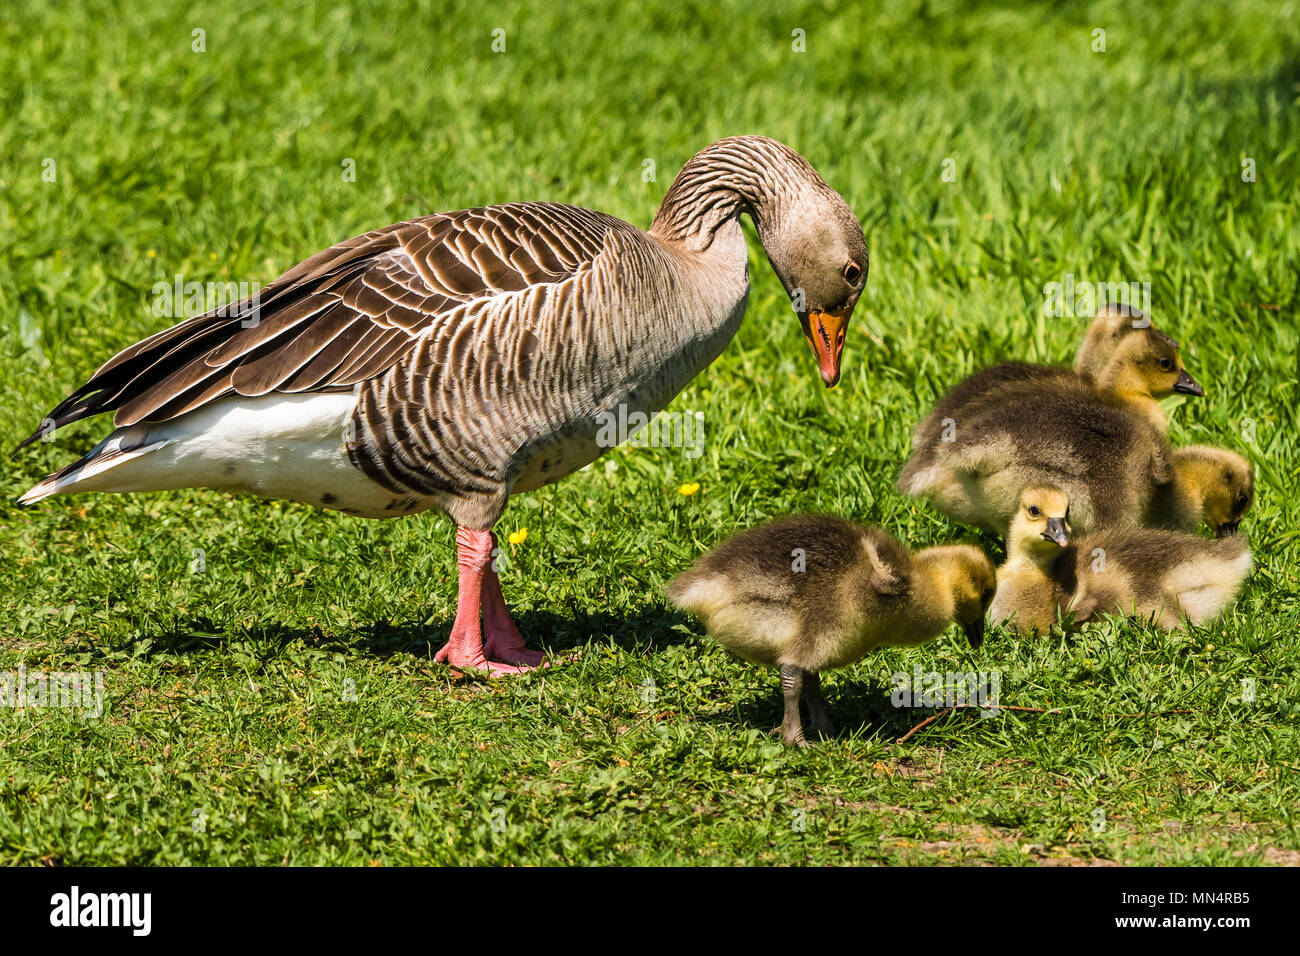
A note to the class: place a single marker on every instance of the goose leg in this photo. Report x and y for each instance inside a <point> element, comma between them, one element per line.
<point>792,690</point>
<point>464,647</point>
<point>502,641</point>
<point>812,698</point>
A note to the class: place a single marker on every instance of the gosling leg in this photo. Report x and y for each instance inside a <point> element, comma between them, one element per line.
<point>792,690</point>
<point>812,698</point>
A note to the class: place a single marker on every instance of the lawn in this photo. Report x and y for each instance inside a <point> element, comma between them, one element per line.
<point>270,694</point>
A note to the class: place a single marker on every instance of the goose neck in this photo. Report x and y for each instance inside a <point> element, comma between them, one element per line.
<point>731,177</point>
<point>1144,405</point>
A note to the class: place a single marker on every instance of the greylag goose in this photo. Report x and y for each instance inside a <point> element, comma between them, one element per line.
<point>807,594</point>
<point>451,361</point>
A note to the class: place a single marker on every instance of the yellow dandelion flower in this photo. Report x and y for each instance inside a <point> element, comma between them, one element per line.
<point>689,488</point>
<point>519,537</point>
<point>150,253</point>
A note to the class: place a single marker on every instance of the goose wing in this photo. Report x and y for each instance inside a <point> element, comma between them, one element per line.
<point>345,315</point>
<point>891,565</point>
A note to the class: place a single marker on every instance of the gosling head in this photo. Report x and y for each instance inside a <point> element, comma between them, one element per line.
<point>1147,363</point>
<point>1222,480</point>
<point>1114,323</point>
<point>1041,526</point>
<point>972,580</point>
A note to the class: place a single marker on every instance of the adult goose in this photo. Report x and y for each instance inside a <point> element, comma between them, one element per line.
<point>451,361</point>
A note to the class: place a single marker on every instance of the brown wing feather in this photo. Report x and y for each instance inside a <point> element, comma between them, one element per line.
<point>344,315</point>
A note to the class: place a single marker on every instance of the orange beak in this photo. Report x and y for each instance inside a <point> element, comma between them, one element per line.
<point>825,332</point>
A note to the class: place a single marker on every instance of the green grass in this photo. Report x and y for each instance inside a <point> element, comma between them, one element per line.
<point>228,734</point>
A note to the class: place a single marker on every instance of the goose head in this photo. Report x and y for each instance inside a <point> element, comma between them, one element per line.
<point>811,236</point>
<point>1221,480</point>
<point>817,250</point>
<point>1041,526</point>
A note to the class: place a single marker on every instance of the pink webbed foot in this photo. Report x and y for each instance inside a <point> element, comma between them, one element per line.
<point>502,641</point>
<point>471,663</point>
<point>504,649</point>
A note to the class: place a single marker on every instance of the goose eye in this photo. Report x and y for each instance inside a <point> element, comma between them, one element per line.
<point>1167,364</point>
<point>1033,511</point>
<point>852,273</point>
<point>1240,504</point>
<point>987,595</point>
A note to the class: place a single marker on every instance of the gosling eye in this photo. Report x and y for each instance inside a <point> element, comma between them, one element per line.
<point>1240,504</point>
<point>852,273</point>
<point>1167,364</point>
<point>1033,511</point>
<point>987,595</point>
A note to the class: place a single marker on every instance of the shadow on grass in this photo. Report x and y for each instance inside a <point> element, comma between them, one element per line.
<point>645,630</point>
<point>861,707</point>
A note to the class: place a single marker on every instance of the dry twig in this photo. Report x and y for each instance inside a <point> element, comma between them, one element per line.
<point>1025,710</point>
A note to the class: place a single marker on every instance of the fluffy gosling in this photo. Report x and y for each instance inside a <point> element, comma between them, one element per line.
<point>1108,448</point>
<point>1113,324</point>
<point>1165,576</point>
<point>1122,354</point>
<point>1108,458</point>
<point>807,594</point>
<point>1211,485</point>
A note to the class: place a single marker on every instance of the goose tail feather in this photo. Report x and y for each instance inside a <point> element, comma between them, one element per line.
<point>113,451</point>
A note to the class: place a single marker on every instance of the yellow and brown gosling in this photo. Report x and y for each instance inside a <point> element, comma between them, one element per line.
<point>1108,458</point>
<point>1100,362</point>
<point>1144,367</point>
<point>1164,576</point>
<point>1211,485</point>
<point>1104,442</point>
<point>806,594</point>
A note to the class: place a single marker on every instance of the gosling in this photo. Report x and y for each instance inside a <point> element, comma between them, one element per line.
<point>1164,576</point>
<point>1113,324</point>
<point>1106,457</point>
<point>1211,485</point>
<point>1123,354</point>
<point>807,594</point>
<point>1117,468</point>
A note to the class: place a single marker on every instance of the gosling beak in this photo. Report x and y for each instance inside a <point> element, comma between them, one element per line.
<point>825,334</point>
<point>974,632</point>
<point>1056,532</point>
<point>1227,529</point>
<point>1187,385</point>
